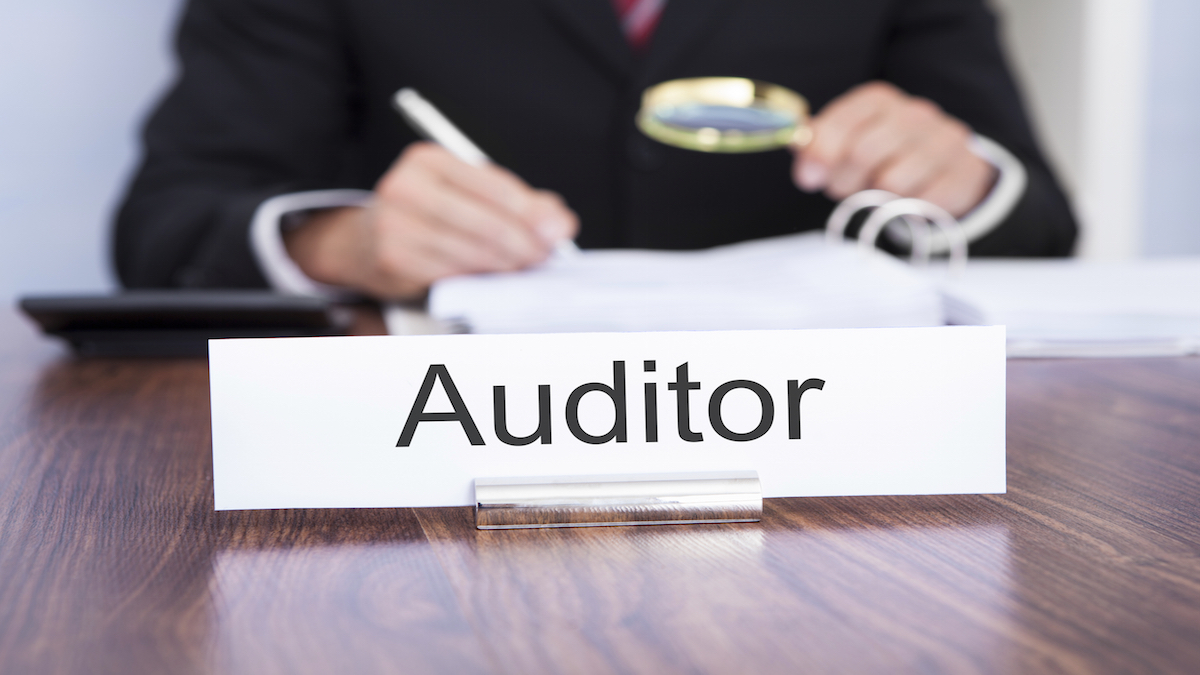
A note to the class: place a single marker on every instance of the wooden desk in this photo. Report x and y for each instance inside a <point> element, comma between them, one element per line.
<point>112,559</point>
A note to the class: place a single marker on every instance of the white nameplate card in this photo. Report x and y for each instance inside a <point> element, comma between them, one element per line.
<point>413,420</point>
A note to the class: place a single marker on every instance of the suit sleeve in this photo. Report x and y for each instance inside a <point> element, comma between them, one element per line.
<point>261,108</point>
<point>947,51</point>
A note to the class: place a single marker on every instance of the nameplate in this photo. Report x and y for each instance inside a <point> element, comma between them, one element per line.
<point>413,420</point>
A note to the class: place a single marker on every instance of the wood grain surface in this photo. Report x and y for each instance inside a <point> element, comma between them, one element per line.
<point>112,559</point>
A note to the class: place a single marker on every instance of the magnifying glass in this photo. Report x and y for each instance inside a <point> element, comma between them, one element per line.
<point>724,114</point>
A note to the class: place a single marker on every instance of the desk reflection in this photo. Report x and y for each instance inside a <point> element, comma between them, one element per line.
<point>358,608</point>
<point>608,599</point>
<point>751,596</point>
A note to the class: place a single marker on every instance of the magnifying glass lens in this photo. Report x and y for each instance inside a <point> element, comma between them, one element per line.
<point>723,118</point>
<point>723,114</point>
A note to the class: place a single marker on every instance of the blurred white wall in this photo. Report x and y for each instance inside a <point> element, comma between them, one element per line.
<point>1172,175</point>
<point>76,77</point>
<point>1082,65</point>
<point>1045,49</point>
<point>1114,89</point>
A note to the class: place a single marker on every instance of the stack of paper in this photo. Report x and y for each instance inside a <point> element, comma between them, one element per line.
<point>1080,308</point>
<point>1050,307</point>
<point>797,281</point>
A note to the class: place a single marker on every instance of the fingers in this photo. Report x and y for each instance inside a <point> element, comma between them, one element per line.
<point>903,133</point>
<point>875,136</point>
<point>492,189</point>
<point>835,130</point>
<point>420,199</point>
<point>916,154</point>
<point>462,219</point>
<point>393,253</point>
<point>554,221</point>
<point>962,186</point>
<point>434,216</point>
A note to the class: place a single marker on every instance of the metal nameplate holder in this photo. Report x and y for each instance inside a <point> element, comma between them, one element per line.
<point>640,499</point>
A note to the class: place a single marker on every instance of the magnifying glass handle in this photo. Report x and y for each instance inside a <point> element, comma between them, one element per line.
<point>802,137</point>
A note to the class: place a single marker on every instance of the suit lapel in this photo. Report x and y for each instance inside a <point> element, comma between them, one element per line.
<point>594,24</point>
<point>684,25</point>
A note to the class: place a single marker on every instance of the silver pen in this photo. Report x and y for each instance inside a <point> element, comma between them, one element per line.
<point>429,122</point>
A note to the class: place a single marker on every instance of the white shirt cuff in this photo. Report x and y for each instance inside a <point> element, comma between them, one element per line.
<point>266,237</point>
<point>1008,190</point>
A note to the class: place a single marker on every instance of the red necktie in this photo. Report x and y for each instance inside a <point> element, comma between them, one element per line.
<point>639,18</point>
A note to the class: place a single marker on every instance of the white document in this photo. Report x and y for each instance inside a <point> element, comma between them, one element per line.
<point>1084,308</point>
<point>795,281</point>
<point>1051,308</point>
<point>341,421</point>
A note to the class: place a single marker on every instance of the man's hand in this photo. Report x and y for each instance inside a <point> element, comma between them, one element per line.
<point>433,216</point>
<point>876,136</point>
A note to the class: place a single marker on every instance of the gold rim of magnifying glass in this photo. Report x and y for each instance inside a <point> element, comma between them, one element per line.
<point>737,92</point>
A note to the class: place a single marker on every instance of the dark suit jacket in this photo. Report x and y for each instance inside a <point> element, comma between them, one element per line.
<point>279,96</point>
